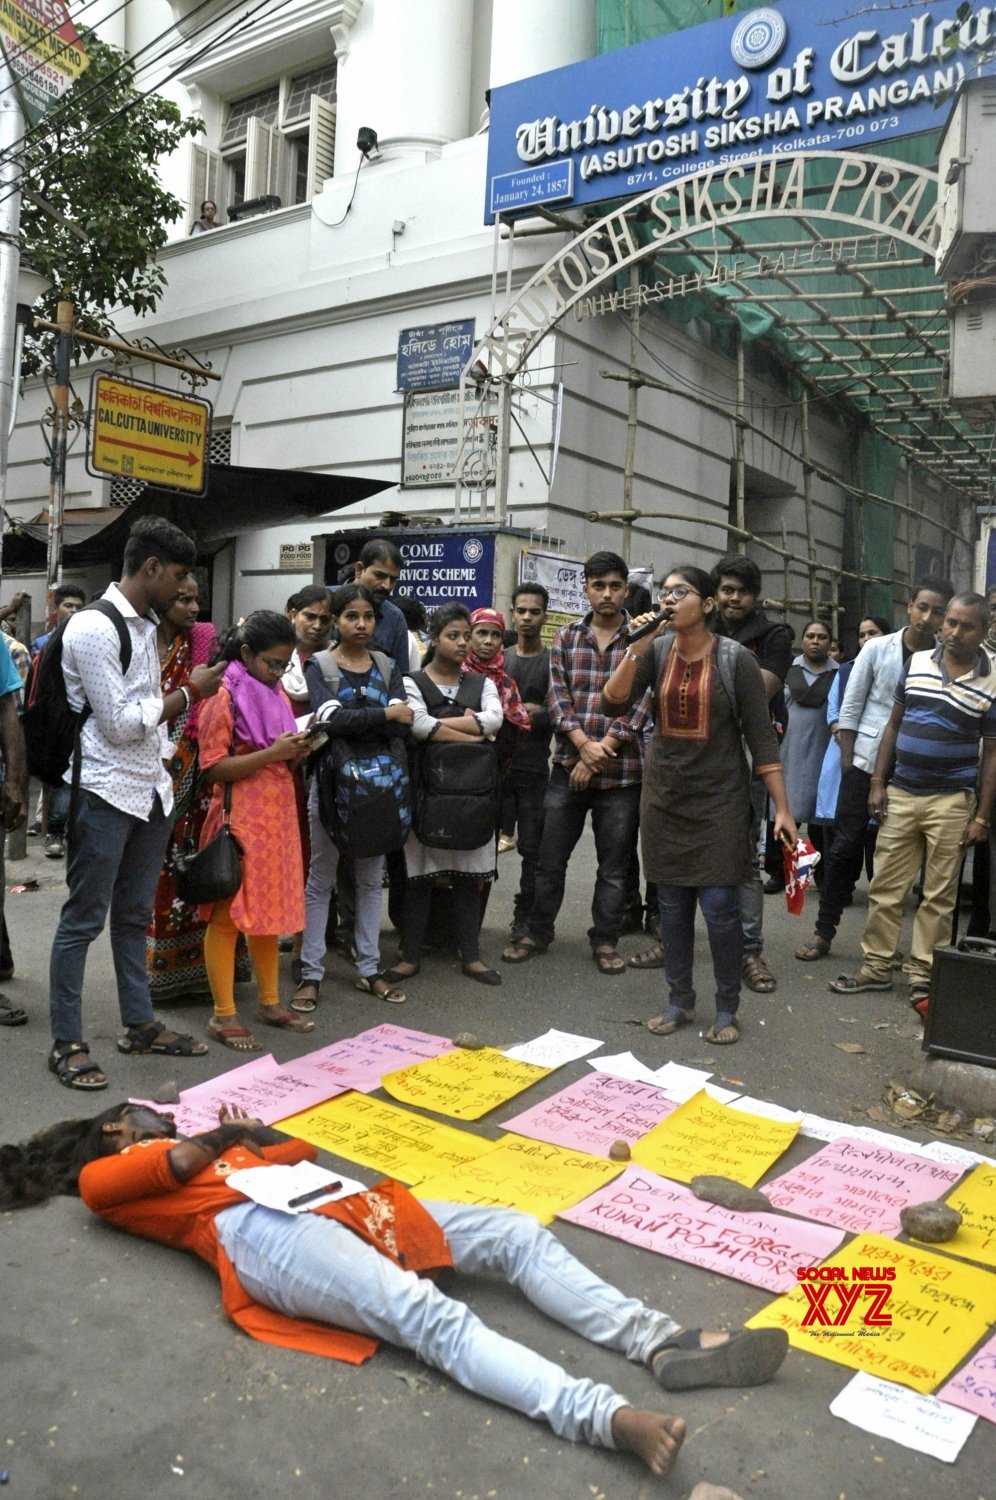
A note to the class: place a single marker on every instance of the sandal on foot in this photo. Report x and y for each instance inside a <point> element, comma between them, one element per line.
<point>857,984</point>
<point>608,960</point>
<point>522,950</point>
<point>382,987</point>
<point>87,1076</point>
<point>724,1022</point>
<point>670,1020</point>
<point>12,1015</point>
<point>748,1357</point>
<point>757,976</point>
<point>651,958</point>
<point>305,997</point>
<point>812,949</point>
<point>231,1033</point>
<point>275,1015</point>
<point>155,1038</point>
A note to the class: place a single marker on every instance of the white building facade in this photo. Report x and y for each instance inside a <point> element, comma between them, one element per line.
<point>299,310</point>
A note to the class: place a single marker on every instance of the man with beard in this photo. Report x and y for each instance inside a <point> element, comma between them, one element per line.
<point>928,757</point>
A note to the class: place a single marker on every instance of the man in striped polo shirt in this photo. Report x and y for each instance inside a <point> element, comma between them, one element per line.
<point>938,800</point>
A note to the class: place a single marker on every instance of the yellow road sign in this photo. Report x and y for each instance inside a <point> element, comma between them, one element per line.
<point>143,433</point>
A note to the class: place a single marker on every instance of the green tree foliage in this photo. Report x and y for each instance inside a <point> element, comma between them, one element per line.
<point>93,159</point>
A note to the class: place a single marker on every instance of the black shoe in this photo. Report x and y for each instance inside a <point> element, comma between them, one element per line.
<point>482,976</point>
<point>773,885</point>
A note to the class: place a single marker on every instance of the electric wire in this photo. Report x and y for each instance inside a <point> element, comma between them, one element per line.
<point>52,119</point>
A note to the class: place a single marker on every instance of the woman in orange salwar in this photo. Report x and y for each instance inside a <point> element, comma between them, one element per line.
<point>248,741</point>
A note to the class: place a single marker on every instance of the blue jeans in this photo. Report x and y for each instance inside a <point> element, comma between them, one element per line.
<point>615,817</point>
<point>721,909</point>
<point>114,863</point>
<point>524,796</point>
<point>752,891</point>
<point>318,890</point>
<point>311,1267</point>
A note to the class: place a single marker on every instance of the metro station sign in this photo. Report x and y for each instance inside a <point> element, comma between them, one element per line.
<point>807,75</point>
<point>140,432</point>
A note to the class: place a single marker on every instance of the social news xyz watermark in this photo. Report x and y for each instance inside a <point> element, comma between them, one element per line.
<point>853,1300</point>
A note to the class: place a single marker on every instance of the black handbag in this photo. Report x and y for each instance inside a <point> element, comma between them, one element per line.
<point>213,873</point>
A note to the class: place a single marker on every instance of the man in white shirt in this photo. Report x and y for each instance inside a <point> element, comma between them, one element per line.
<point>123,814</point>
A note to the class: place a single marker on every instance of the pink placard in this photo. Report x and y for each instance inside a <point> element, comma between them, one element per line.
<point>359,1062</point>
<point>663,1216</point>
<point>973,1387</point>
<point>860,1186</point>
<point>592,1113</point>
<point>264,1088</point>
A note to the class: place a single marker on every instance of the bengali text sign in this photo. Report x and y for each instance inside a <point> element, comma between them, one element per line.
<point>463,1085</point>
<point>531,1176</point>
<point>359,1062</point>
<point>919,1422</point>
<point>859,1185</point>
<point>592,1113</point>
<point>387,1139</point>
<point>936,1311</point>
<point>974,1386</point>
<point>704,1136</point>
<point>975,1200</point>
<point>263,1088</point>
<point>649,1211</point>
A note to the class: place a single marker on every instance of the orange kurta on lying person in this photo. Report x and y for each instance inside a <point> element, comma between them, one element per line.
<point>138,1192</point>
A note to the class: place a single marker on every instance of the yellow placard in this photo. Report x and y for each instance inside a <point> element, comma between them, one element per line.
<point>935,1312</point>
<point>143,433</point>
<point>525,1174</point>
<point>975,1200</point>
<point>385,1138</point>
<point>462,1085</point>
<point>706,1137</point>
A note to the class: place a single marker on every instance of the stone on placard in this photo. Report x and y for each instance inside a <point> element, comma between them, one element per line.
<point>468,1041</point>
<point>619,1151</point>
<point>932,1222</point>
<point>167,1093</point>
<point>732,1195</point>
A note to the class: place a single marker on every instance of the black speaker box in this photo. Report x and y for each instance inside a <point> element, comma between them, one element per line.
<point>961,1017</point>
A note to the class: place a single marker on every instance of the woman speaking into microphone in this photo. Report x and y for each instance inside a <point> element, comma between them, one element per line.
<point>707,700</point>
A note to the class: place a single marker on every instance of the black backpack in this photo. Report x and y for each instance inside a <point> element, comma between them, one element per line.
<point>51,727</point>
<point>455,786</point>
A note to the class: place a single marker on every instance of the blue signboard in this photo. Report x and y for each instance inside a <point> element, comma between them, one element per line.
<point>817,75</point>
<point>431,358</point>
<point>514,191</point>
<point>454,569</point>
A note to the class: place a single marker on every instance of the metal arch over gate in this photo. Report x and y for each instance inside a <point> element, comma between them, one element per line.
<point>893,201</point>
<point>891,197</point>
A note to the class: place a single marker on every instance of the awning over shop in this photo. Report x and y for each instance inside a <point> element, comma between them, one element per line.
<point>238,499</point>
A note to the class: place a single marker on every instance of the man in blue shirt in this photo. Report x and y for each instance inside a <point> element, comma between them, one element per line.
<point>945,703</point>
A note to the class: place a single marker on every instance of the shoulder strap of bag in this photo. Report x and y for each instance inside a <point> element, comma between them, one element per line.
<point>329,668</point>
<point>470,693</point>
<point>383,664</point>
<point>431,696</point>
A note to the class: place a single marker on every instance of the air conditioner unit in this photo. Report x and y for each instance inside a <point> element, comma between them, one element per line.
<point>972,366</point>
<point>966,204</point>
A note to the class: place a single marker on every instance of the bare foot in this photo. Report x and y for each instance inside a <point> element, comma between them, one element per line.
<point>705,1491</point>
<point>651,1435</point>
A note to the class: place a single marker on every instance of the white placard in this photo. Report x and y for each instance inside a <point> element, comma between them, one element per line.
<point>891,1411</point>
<point>553,1049</point>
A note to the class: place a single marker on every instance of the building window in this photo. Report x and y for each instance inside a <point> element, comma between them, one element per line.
<point>277,142</point>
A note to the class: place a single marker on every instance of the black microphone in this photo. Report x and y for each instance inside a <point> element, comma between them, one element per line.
<point>651,625</point>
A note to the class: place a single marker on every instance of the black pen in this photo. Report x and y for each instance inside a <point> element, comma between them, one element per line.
<point>310,1197</point>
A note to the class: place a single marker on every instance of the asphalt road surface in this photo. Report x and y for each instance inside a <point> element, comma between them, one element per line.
<point>123,1381</point>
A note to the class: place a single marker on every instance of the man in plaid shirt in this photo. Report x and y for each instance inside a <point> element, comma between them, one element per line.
<point>597,769</point>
